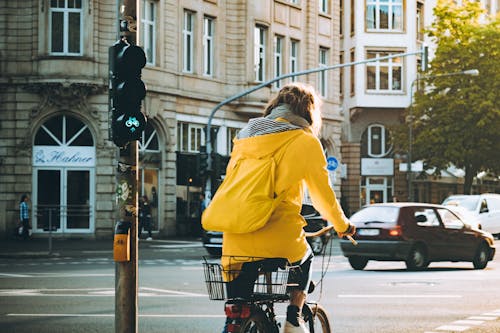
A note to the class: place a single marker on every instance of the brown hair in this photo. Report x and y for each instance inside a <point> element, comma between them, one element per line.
<point>302,100</point>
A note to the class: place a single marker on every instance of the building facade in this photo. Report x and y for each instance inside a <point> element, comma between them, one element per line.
<point>54,100</point>
<point>374,97</point>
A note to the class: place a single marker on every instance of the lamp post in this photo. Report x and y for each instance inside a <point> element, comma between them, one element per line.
<point>472,72</point>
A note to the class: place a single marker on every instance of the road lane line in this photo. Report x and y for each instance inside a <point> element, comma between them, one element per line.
<point>13,275</point>
<point>167,291</point>
<point>468,322</point>
<point>399,296</point>
<point>112,315</point>
<point>482,318</point>
<point>453,328</point>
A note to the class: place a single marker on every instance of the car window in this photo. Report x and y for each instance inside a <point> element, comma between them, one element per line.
<point>494,204</point>
<point>467,201</point>
<point>384,214</point>
<point>484,206</point>
<point>426,217</point>
<point>450,220</point>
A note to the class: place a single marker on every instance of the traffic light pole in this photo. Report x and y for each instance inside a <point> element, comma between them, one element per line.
<point>126,278</point>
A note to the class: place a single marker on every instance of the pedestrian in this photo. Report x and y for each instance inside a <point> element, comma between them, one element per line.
<point>145,217</point>
<point>289,131</point>
<point>24,216</point>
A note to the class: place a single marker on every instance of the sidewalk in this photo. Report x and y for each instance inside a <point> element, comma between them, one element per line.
<point>67,247</point>
<point>41,247</point>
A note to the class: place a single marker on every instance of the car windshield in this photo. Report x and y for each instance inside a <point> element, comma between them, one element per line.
<point>374,214</point>
<point>468,202</point>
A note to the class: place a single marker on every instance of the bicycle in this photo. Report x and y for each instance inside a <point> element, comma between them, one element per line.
<point>255,313</point>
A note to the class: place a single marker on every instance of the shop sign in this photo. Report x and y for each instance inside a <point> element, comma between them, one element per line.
<point>377,166</point>
<point>63,156</point>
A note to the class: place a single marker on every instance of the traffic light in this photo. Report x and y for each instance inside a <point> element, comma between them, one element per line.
<point>425,58</point>
<point>202,161</point>
<point>126,92</point>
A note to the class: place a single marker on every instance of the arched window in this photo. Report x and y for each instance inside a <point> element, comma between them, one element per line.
<point>149,140</point>
<point>64,131</point>
<point>375,142</point>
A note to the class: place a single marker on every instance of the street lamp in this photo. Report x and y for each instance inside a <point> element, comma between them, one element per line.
<point>472,72</point>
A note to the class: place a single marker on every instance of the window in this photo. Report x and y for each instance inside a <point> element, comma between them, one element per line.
<point>190,137</point>
<point>323,75</point>
<point>148,31</point>
<point>384,75</point>
<point>375,142</point>
<point>420,21</point>
<point>149,140</point>
<point>323,6</point>
<point>450,220</point>
<point>208,46</point>
<point>64,131</point>
<point>341,18</point>
<point>294,58</point>
<point>278,58</point>
<point>188,47</point>
<point>353,17</point>
<point>353,74</point>
<point>426,217</point>
<point>259,53</point>
<point>341,74</point>
<point>384,15</point>
<point>66,27</point>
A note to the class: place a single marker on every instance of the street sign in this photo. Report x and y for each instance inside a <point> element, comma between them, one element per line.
<point>332,163</point>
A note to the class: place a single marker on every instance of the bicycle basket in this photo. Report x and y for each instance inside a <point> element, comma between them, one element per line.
<point>270,283</point>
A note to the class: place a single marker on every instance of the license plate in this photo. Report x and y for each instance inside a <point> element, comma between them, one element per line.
<point>368,232</point>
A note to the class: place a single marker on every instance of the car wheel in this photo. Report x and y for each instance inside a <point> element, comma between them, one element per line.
<point>358,263</point>
<point>417,259</point>
<point>316,244</point>
<point>481,259</point>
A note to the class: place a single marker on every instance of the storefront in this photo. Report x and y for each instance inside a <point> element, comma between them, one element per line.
<point>64,160</point>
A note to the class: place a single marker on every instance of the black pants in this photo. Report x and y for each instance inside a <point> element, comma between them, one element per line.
<point>242,286</point>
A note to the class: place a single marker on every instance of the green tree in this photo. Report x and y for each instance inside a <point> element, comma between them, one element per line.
<point>457,117</point>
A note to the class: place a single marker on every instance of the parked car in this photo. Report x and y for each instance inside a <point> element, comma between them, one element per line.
<point>486,207</point>
<point>417,234</point>
<point>212,240</point>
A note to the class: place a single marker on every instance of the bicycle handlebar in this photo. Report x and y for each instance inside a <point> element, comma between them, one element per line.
<point>324,230</point>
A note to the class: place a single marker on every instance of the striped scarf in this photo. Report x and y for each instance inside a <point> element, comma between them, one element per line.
<point>272,123</point>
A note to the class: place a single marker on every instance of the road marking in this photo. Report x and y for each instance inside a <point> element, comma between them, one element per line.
<point>463,325</point>
<point>400,296</point>
<point>112,315</point>
<point>95,292</point>
<point>453,328</point>
<point>184,293</point>
<point>468,322</point>
<point>482,318</point>
<point>13,275</point>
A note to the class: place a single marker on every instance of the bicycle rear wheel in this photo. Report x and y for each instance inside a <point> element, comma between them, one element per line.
<point>257,323</point>
<point>316,318</point>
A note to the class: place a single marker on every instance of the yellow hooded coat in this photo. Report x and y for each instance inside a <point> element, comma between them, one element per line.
<point>300,161</point>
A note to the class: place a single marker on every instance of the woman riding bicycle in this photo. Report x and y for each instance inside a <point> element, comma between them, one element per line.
<point>289,129</point>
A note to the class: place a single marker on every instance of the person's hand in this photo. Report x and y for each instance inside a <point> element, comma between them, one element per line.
<point>351,230</point>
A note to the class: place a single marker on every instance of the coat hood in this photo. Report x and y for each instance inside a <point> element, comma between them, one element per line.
<point>263,145</point>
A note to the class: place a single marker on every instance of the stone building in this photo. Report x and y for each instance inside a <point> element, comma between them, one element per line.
<point>54,100</point>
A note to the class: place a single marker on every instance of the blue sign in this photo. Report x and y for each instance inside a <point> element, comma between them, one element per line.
<point>332,163</point>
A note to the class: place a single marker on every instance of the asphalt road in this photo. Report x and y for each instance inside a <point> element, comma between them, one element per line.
<point>76,294</point>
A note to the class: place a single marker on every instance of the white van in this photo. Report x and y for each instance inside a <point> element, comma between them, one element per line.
<point>485,206</point>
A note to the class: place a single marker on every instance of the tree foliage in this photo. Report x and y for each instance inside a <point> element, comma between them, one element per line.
<point>457,117</point>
